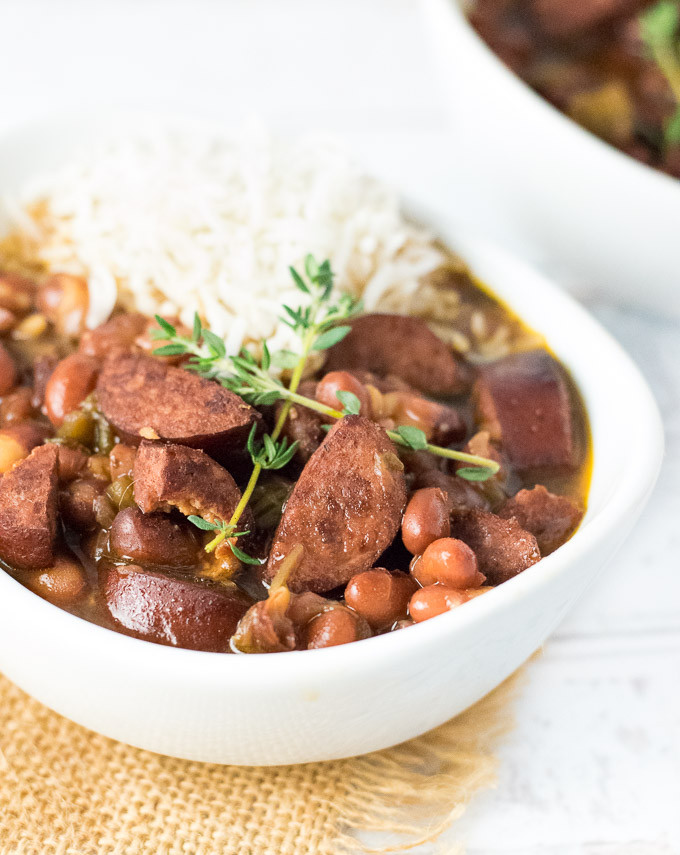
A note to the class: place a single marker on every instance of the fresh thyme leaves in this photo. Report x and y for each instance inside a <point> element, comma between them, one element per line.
<point>269,453</point>
<point>660,29</point>
<point>318,325</point>
<point>226,531</point>
<point>413,437</point>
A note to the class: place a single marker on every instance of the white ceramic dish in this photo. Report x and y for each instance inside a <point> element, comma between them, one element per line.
<point>548,189</point>
<point>317,705</point>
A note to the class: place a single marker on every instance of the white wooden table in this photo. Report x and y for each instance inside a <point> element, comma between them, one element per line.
<point>593,765</point>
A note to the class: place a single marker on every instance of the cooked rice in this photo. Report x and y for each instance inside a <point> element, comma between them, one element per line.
<point>175,223</point>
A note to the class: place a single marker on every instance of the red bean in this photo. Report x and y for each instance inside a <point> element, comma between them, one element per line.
<point>72,462</point>
<point>71,382</point>
<point>17,406</point>
<point>379,596</point>
<point>64,300</point>
<point>342,381</point>
<point>426,519</point>
<point>434,600</point>
<point>78,502</point>
<point>63,584</point>
<point>154,539</point>
<point>8,371</point>
<point>441,424</point>
<point>448,561</point>
<point>335,626</point>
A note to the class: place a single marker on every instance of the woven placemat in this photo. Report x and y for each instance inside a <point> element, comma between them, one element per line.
<point>67,791</point>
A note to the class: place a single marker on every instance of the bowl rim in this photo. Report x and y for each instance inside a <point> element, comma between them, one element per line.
<point>257,672</point>
<point>506,77</point>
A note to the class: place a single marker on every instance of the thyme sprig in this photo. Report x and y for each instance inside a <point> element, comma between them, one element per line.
<point>660,30</point>
<point>319,325</point>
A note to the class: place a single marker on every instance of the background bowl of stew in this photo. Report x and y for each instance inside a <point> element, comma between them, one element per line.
<point>341,701</point>
<point>546,188</point>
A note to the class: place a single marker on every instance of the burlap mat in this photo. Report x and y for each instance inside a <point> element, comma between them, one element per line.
<point>67,791</point>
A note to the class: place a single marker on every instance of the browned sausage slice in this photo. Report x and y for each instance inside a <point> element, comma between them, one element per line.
<point>550,518</point>
<point>28,510</point>
<point>404,347</point>
<point>524,403</point>
<point>345,509</point>
<point>144,397</point>
<point>503,548</point>
<point>167,610</point>
<point>174,476</point>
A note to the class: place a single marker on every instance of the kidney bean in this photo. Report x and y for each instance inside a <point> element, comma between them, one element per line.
<point>17,406</point>
<point>448,561</point>
<point>434,600</point>
<point>71,462</point>
<point>426,519</point>
<point>8,371</point>
<point>116,334</point>
<point>78,502</point>
<point>439,423</point>
<point>342,381</point>
<point>122,460</point>
<point>43,366</point>
<point>63,584</point>
<point>16,293</point>
<point>64,300</point>
<point>71,382</point>
<point>380,597</point>
<point>7,320</point>
<point>337,625</point>
<point>152,539</point>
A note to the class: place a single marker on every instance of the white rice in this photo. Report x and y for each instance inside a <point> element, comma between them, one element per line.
<point>178,223</point>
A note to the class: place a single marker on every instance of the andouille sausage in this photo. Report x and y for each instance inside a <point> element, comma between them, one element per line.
<point>503,548</point>
<point>174,476</point>
<point>345,509</point>
<point>524,403</point>
<point>28,510</point>
<point>145,397</point>
<point>404,347</point>
<point>550,518</point>
<point>116,335</point>
<point>169,610</point>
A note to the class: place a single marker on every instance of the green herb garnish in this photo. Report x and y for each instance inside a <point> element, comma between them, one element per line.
<point>660,30</point>
<point>319,326</point>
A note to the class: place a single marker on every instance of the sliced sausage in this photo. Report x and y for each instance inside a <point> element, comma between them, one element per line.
<point>152,539</point>
<point>167,610</point>
<point>550,518</point>
<point>401,346</point>
<point>144,397</point>
<point>345,509</point>
<point>174,476</point>
<point>28,510</point>
<point>524,403</point>
<point>116,335</point>
<point>503,548</point>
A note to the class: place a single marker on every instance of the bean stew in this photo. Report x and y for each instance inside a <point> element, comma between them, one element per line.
<point>613,66</point>
<point>394,469</point>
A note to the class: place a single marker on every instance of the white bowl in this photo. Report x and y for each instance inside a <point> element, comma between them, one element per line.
<point>600,221</point>
<point>323,704</point>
